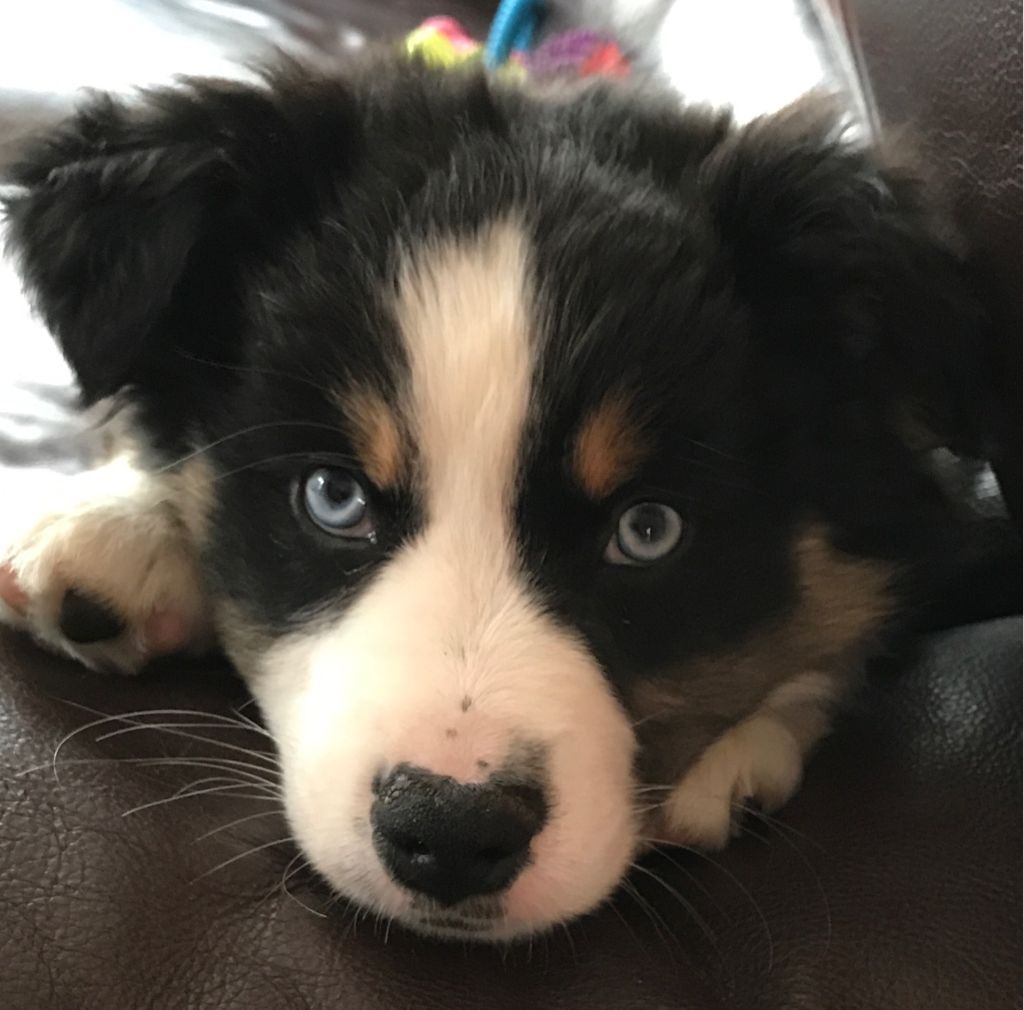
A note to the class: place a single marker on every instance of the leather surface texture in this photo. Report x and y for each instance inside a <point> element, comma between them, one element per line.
<point>891,881</point>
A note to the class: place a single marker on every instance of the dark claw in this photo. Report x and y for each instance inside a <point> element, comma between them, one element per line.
<point>84,620</point>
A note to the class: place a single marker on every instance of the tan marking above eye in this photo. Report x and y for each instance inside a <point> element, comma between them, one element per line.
<point>609,448</point>
<point>376,435</point>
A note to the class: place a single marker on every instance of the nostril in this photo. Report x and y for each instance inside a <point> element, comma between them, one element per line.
<point>420,850</point>
<point>413,846</point>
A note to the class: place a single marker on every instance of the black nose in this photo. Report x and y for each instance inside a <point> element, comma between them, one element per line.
<point>452,841</point>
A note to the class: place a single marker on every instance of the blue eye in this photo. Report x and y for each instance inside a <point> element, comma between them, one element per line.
<point>646,532</point>
<point>337,503</point>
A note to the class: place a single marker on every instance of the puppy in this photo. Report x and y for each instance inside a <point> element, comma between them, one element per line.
<point>547,463</point>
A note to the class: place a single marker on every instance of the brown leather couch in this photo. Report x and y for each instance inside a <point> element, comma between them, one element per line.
<point>892,881</point>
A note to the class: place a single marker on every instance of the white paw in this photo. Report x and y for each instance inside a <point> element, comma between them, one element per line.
<point>759,760</point>
<point>109,577</point>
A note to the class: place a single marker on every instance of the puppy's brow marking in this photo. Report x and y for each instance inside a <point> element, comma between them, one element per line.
<point>377,435</point>
<point>609,447</point>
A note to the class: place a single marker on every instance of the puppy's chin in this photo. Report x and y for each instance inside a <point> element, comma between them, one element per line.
<point>530,907</point>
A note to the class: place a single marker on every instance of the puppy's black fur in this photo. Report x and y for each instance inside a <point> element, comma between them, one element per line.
<point>772,296</point>
<point>170,202</point>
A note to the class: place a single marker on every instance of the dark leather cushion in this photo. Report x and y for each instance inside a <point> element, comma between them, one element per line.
<point>892,880</point>
<point>949,73</point>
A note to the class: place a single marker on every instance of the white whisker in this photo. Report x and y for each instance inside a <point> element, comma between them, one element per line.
<point>235,823</point>
<point>255,774</point>
<point>688,906</point>
<point>177,729</point>
<point>243,431</point>
<point>242,855</point>
<point>735,881</point>
<point>263,461</point>
<point>189,794</point>
<point>255,370</point>
<point>130,718</point>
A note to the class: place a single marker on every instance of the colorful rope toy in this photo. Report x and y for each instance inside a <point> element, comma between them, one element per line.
<point>579,53</point>
<point>512,30</point>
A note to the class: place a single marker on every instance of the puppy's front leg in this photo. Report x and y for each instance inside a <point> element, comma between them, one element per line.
<point>101,566</point>
<point>758,760</point>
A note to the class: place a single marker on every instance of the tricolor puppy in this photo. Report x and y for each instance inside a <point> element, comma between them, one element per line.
<point>547,463</point>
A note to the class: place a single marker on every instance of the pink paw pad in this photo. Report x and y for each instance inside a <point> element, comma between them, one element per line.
<point>11,592</point>
<point>166,631</point>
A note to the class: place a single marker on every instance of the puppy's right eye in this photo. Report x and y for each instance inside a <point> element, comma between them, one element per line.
<point>647,532</point>
<point>338,504</point>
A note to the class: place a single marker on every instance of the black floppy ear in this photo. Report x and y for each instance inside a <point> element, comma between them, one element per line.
<point>133,220</point>
<point>835,253</point>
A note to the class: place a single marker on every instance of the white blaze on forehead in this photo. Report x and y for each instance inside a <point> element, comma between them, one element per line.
<point>447,660</point>
<point>463,309</point>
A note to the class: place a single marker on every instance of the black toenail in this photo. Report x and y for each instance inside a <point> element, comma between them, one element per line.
<point>84,620</point>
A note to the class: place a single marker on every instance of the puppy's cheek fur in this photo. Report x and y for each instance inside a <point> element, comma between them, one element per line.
<point>470,680</point>
<point>785,682</point>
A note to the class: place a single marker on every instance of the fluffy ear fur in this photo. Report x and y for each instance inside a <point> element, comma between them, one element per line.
<point>813,219</point>
<point>133,221</point>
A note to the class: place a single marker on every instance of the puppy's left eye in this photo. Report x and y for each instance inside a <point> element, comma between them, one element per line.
<point>338,504</point>
<point>646,532</point>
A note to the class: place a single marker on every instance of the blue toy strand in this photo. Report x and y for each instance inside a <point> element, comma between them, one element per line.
<point>512,30</point>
